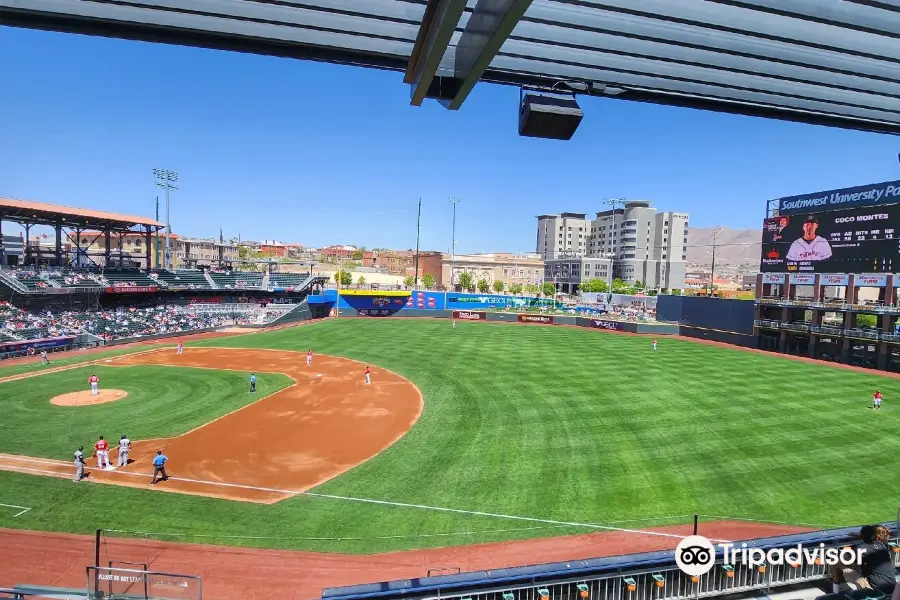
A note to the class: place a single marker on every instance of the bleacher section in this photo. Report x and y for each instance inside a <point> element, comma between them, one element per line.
<point>73,280</point>
<point>190,279</point>
<point>241,280</point>
<point>32,282</point>
<point>287,280</point>
<point>127,278</point>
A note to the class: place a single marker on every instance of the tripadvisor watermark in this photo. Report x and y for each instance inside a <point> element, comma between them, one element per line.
<point>695,555</point>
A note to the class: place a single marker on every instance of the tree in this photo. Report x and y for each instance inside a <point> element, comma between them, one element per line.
<point>515,288</point>
<point>361,280</point>
<point>865,321</point>
<point>638,285</point>
<point>465,280</point>
<point>345,278</point>
<point>428,281</point>
<point>531,289</point>
<point>409,281</point>
<point>548,289</point>
<point>357,255</point>
<point>594,285</point>
<point>620,287</point>
<point>499,286</point>
<point>483,286</point>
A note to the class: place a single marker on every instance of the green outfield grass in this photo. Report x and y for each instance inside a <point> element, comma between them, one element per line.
<point>550,423</point>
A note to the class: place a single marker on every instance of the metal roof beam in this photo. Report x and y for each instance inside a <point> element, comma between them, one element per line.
<point>488,28</point>
<point>437,28</point>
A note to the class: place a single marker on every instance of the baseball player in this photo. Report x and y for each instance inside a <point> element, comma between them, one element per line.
<point>124,449</point>
<point>44,360</point>
<point>79,464</point>
<point>454,323</point>
<point>654,344</point>
<point>95,385</point>
<point>101,453</point>
<point>309,357</point>
<point>368,375</point>
<point>252,382</point>
<point>159,466</point>
<point>180,347</point>
<point>876,400</point>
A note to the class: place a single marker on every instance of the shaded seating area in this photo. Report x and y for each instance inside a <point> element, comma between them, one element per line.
<point>238,280</point>
<point>127,279</point>
<point>287,280</point>
<point>187,278</point>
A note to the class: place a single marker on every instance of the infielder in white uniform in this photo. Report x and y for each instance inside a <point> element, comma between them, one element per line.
<point>810,247</point>
<point>309,357</point>
<point>124,449</point>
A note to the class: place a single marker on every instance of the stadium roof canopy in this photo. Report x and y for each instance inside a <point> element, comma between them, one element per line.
<point>828,62</point>
<point>39,213</point>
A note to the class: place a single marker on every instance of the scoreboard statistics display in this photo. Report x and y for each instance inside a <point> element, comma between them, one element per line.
<point>858,240</point>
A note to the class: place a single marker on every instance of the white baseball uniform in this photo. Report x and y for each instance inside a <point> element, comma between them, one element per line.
<point>180,348</point>
<point>368,379</point>
<point>124,448</point>
<point>309,358</point>
<point>95,385</point>
<point>817,249</point>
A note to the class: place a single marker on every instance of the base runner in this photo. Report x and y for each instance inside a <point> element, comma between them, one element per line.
<point>101,452</point>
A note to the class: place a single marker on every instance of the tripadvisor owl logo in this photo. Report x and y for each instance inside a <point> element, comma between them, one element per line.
<point>695,555</point>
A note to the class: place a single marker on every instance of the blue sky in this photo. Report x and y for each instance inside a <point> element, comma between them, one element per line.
<point>320,154</point>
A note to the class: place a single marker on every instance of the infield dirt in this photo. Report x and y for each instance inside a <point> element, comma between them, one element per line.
<point>323,425</point>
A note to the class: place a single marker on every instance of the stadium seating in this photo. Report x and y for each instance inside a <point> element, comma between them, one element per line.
<point>287,280</point>
<point>238,280</point>
<point>127,279</point>
<point>191,279</point>
<point>73,280</point>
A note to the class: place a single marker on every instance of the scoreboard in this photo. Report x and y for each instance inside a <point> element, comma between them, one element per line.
<point>858,240</point>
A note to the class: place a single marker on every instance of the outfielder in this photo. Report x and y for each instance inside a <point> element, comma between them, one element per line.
<point>101,452</point>
<point>95,385</point>
<point>309,357</point>
<point>876,400</point>
<point>124,449</point>
<point>654,344</point>
<point>79,464</point>
<point>368,373</point>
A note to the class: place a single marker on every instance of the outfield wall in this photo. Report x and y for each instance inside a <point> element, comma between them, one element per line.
<point>725,320</point>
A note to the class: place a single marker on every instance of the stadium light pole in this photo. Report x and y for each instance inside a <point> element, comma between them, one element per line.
<point>454,201</point>
<point>712,271</point>
<point>166,180</point>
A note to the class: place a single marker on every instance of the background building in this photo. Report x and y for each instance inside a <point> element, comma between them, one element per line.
<point>506,267</point>
<point>186,252</point>
<point>644,245</point>
<point>569,273</point>
<point>562,234</point>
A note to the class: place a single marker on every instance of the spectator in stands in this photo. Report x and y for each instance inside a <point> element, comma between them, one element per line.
<point>877,569</point>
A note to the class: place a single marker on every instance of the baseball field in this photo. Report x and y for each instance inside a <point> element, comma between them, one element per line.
<point>485,432</point>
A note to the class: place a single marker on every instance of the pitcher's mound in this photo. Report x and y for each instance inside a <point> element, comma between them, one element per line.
<point>86,399</point>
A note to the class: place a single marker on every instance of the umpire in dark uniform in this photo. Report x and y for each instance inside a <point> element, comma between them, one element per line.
<point>252,382</point>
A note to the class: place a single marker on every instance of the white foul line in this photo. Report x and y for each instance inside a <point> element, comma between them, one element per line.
<point>24,510</point>
<point>371,501</point>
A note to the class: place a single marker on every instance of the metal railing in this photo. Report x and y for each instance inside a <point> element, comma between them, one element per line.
<point>827,329</point>
<point>796,326</point>
<point>863,333</point>
<point>768,323</point>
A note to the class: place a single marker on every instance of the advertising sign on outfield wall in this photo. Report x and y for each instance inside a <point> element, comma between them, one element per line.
<point>839,279</point>
<point>132,289</point>
<point>609,325</point>
<point>870,280</point>
<point>773,278</point>
<point>374,312</point>
<point>468,315</point>
<point>803,279</point>
<point>545,319</point>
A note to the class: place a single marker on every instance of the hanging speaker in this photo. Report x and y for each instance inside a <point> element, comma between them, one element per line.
<point>549,117</point>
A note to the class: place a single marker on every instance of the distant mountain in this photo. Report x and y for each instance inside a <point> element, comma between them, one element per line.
<point>734,247</point>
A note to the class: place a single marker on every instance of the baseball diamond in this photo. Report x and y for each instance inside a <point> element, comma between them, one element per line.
<point>606,437</point>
